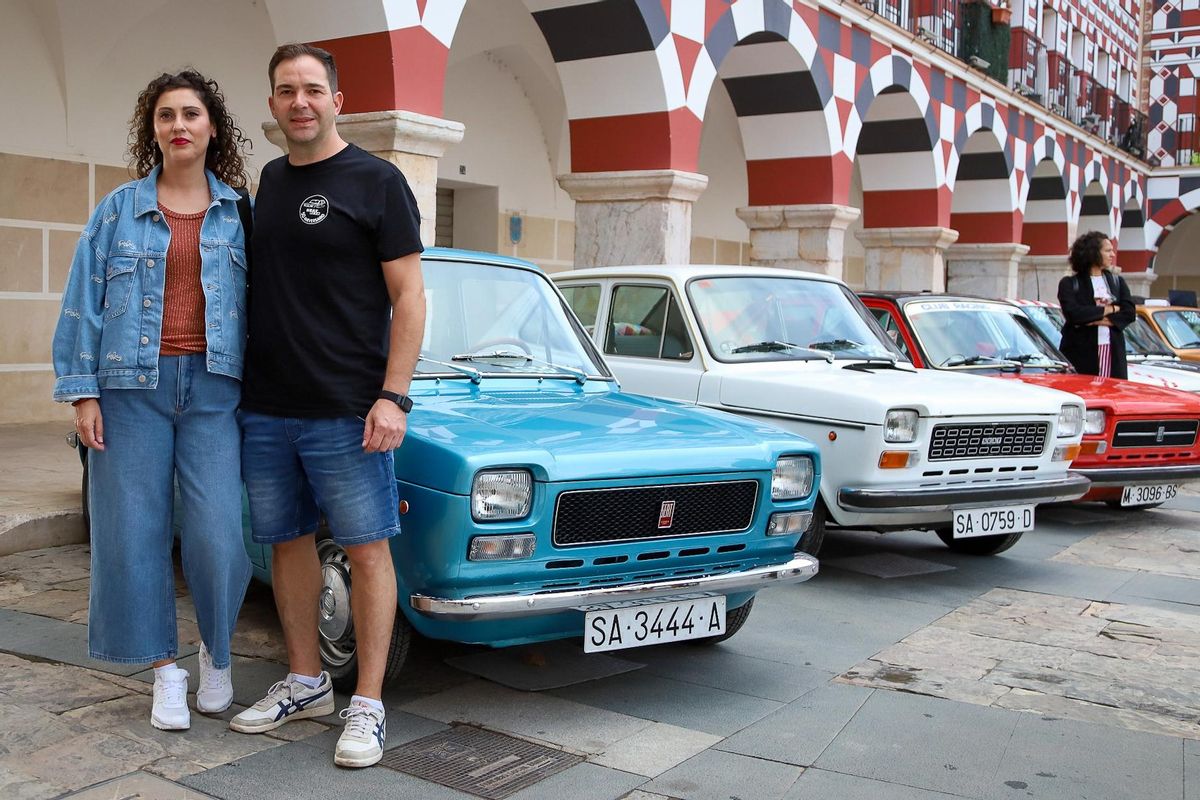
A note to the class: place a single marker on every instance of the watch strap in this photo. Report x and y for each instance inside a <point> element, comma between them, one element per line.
<point>404,401</point>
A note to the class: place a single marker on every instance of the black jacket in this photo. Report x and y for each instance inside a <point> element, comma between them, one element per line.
<point>1079,342</point>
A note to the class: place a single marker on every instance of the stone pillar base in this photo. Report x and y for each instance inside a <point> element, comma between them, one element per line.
<point>809,237</point>
<point>988,270</point>
<point>633,217</point>
<point>1139,282</point>
<point>1038,277</point>
<point>906,259</point>
<point>413,142</point>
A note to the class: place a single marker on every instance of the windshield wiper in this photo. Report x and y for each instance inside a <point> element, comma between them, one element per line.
<point>579,375</point>
<point>1029,358</point>
<point>836,344</point>
<point>775,346</point>
<point>970,361</point>
<point>475,375</point>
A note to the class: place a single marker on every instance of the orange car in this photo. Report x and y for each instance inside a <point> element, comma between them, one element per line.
<point>1179,327</point>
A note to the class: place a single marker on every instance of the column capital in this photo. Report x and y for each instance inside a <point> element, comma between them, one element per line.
<point>986,251</point>
<point>1058,262</point>
<point>812,215</point>
<point>640,184</point>
<point>931,236</point>
<point>389,131</point>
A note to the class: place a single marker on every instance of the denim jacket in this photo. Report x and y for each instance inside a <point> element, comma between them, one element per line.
<point>110,327</point>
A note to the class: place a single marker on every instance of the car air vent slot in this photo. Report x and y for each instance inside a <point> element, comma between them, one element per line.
<point>561,585</point>
<point>608,579</point>
<point>649,576</point>
<point>693,551</point>
<point>1030,468</point>
<point>952,441</point>
<point>933,473</point>
<point>730,548</point>
<point>568,563</point>
<point>679,573</point>
<point>983,470</point>
<point>1007,469</point>
<point>605,560</point>
<point>959,471</point>
<point>657,554</point>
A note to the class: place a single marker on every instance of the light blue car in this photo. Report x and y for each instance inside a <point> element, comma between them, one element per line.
<point>538,501</point>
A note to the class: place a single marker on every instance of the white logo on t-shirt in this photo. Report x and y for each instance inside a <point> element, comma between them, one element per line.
<point>314,209</point>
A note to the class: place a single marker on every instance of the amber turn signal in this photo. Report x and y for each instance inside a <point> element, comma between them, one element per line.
<point>894,459</point>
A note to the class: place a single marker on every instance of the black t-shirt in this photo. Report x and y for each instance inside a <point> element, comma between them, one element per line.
<point>319,307</point>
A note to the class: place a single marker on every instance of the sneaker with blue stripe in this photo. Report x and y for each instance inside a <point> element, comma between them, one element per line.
<point>361,742</point>
<point>286,701</point>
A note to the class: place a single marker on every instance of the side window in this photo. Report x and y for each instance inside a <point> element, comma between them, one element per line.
<point>585,302</point>
<point>888,323</point>
<point>646,322</point>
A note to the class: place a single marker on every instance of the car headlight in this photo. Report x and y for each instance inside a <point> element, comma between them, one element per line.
<point>1070,420</point>
<point>1094,421</point>
<point>900,425</point>
<point>792,478</point>
<point>501,494</point>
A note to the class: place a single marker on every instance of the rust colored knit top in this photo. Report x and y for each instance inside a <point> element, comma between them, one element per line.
<point>183,296</point>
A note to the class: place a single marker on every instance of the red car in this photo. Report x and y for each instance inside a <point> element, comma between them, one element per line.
<point>1139,443</point>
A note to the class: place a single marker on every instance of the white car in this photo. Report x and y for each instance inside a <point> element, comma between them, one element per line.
<point>900,448</point>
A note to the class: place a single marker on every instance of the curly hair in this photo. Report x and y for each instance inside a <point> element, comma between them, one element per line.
<point>1085,252</point>
<point>225,149</point>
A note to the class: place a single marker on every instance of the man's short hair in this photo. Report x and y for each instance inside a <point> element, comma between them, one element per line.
<point>287,52</point>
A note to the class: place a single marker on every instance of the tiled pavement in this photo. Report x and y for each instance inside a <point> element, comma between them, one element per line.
<point>1067,668</point>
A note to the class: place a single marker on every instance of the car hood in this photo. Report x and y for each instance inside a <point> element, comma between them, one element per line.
<point>845,391</point>
<point>567,433</point>
<point>1168,377</point>
<point>1121,396</point>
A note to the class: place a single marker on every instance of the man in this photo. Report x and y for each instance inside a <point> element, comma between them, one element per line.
<point>335,326</point>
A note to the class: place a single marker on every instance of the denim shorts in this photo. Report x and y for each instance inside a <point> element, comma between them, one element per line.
<point>298,470</point>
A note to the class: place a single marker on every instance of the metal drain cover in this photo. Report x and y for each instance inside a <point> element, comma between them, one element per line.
<point>481,762</point>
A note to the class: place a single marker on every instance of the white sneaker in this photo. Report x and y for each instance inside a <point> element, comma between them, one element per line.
<point>361,742</point>
<point>215,693</point>
<point>285,702</point>
<point>170,712</point>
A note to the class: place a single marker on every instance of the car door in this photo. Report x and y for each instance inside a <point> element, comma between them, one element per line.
<point>645,339</point>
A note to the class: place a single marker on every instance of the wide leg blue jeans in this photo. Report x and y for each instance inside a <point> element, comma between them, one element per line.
<point>185,429</point>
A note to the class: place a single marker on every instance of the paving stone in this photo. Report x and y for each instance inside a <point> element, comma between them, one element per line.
<point>49,566</point>
<point>655,749</point>
<point>640,794</point>
<point>172,768</point>
<point>138,786</point>
<point>401,728</point>
<point>1080,761</point>
<point>819,784</point>
<point>52,687</point>
<point>583,781</point>
<point>1082,710</point>
<point>799,732</point>
<point>714,775</point>
<point>65,605</point>
<point>542,666</point>
<point>886,565</point>
<point>1184,591</point>
<point>543,717</point>
<point>15,784</point>
<point>722,668</point>
<point>293,771</point>
<point>1165,550</point>
<point>1191,769</point>
<point>90,758</point>
<point>687,705</point>
<point>25,729</point>
<point>923,742</point>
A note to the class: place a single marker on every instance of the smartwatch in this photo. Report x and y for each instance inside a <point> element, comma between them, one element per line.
<point>404,401</point>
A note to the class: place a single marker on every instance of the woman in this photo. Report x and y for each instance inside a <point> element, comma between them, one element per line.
<point>148,349</point>
<point>1097,306</point>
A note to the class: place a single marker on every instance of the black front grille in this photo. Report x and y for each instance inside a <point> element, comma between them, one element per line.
<point>1155,433</point>
<point>988,440</point>
<point>589,516</point>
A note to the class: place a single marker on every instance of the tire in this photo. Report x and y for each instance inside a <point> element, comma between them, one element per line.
<point>1115,505</point>
<point>978,545</point>
<point>339,649</point>
<point>734,620</point>
<point>811,540</point>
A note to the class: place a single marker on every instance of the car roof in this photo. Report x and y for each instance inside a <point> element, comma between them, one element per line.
<point>685,272</point>
<point>902,298</point>
<point>459,254</point>
<point>1153,309</point>
<point>1037,303</point>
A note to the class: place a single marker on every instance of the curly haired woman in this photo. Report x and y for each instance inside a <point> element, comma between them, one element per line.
<point>1098,306</point>
<point>149,349</point>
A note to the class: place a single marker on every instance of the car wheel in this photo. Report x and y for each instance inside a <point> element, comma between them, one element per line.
<point>978,545</point>
<point>1115,505</point>
<point>734,620</point>
<point>339,648</point>
<point>811,540</point>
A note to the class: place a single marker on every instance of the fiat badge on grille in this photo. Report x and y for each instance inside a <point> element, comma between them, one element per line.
<point>666,514</point>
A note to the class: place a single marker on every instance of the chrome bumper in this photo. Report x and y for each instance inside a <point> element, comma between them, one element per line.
<point>944,498</point>
<point>800,568</point>
<point>1133,476</point>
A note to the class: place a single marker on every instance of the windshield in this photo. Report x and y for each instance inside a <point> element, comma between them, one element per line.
<point>977,334</point>
<point>1049,321</point>
<point>500,320</point>
<point>1182,328</point>
<point>1141,340</point>
<point>785,319</point>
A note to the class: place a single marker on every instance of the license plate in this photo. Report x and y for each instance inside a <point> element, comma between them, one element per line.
<point>970,522</point>
<point>1147,495</point>
<point>638,625</point>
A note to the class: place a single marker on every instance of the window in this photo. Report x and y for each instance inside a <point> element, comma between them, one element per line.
<point>646,322</point>
<point>585,302</point>
<point>888,323</point>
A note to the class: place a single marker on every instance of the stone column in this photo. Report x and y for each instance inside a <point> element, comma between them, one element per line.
<point>413,142</point>
<point>986,269</point>
<point>908,259</point>
<point>809,237</point>
<point>633,217</point>
<point>1038,277</point>
<point>1139,282</point>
